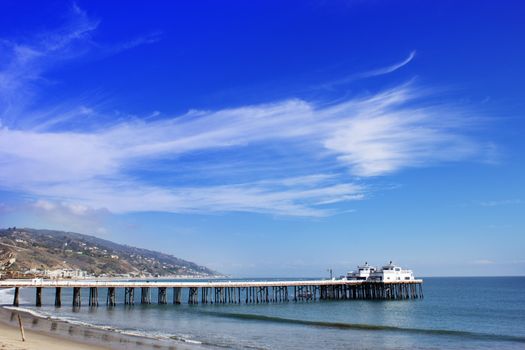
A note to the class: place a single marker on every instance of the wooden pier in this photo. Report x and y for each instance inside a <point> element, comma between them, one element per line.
<point>221,292</point>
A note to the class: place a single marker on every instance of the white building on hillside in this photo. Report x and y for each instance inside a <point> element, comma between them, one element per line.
<point>65,273</point>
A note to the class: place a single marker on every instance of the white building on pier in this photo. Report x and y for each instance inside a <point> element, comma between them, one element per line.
<point>387,273</point>
<point>362,273</point>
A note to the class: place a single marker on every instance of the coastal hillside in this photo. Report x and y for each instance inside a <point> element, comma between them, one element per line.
<point>47,253</point>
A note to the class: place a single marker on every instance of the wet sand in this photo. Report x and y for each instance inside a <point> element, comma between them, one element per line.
<point>10,339</point>
<point>44,333</point>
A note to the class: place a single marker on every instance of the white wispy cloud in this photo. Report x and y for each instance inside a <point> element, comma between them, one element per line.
<point>372,136</point>
<point>245,197</point>
<point>388,69</point>
<point>296,157</point>
<point>23,62</point>
<point>76,217</point>
<point>371,73</point>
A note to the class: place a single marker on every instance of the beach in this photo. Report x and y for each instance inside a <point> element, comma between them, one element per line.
<point>10,339</point>
<point>45,333</point>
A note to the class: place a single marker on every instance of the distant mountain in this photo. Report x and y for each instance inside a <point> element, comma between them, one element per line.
<point>30,249</point>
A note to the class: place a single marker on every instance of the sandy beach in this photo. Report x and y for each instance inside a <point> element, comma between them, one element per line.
<point>10,339</point>
<point>45,333</point>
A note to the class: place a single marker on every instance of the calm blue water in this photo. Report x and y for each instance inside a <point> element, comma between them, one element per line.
<point>456,313</point>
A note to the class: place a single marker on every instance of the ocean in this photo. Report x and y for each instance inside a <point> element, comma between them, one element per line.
<point>456,313</point>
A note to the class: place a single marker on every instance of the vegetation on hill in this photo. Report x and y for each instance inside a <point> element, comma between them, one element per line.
<point>26,249</point>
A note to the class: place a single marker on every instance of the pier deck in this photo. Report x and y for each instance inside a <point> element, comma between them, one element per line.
<point>224,291</point>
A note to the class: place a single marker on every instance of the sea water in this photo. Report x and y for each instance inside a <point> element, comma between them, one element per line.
<point>456,313</point>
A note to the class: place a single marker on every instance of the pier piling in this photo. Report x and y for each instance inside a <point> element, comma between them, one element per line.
<point>93,296</point>
<point>162,297</point>
<point>177,295</point>
<point>58,297</point>
<point>145,296</point>
<point>110,298</point>
<point>77,300</point>
<point>193,295</point>
<point>129,296</point>
<point>38,296</point>
<point>16,296</point>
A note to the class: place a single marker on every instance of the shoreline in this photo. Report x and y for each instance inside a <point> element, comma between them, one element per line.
<point>43,333</point>
<point>10,337</point>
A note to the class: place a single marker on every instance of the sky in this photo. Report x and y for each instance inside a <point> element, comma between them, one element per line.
<point>270,138</point>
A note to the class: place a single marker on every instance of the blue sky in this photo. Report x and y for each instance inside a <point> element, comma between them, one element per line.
<point>271,138</point>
